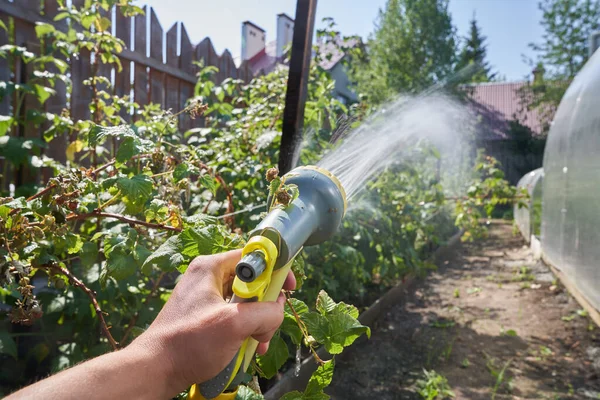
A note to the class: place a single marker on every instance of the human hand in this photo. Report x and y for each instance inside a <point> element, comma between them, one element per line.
<point>197,332</point>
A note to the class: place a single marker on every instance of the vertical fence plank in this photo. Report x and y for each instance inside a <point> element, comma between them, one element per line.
<point>82,95</point>
<point>157,88</point>
<point>185,88</point>
<point>244,71</point>
<point>4,68</point>
<point>25,36</point>
<point>123,78</point>
<point>56,103</point>
<point>172,83</point>
<point>80,70</point>
<point>229,68</point>
<point>5,168</point>
<point>140,93</point>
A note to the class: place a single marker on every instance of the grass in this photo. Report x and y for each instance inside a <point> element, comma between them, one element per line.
<point>441,323</point>
<point>474,290</point>
<point>523,274</point>
<point>434,386</point>
<point>499,374</point>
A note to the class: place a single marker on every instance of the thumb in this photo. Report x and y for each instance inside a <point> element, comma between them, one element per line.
<point>259,319</point>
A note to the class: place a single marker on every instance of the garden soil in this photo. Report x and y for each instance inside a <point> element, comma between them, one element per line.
<point>490,307</point>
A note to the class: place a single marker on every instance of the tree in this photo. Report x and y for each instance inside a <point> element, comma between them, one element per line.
<point>413,47</point>
<point>564,49</point>
<point>568,25</point>
<point>474,52</point>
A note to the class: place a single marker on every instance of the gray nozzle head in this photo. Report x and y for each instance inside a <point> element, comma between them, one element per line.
<point>251,266</point>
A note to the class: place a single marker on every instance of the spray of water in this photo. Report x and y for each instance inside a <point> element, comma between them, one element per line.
<point>387,136</point>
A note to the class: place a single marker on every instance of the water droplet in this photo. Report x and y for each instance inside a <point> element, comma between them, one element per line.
<point>298,361</point>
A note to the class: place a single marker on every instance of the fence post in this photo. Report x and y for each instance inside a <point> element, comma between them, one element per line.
<point>293,114</point>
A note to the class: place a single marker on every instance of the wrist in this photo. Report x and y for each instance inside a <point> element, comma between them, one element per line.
<point>155,367</point>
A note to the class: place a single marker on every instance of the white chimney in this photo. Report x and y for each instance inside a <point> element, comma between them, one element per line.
<point>594,42</point>
<point>253,40</point>
<point>285,32</point>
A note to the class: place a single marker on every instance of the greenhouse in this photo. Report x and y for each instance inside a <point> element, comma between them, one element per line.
<point>571,184</point>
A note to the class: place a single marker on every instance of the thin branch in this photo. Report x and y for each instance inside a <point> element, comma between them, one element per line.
<point>112,162</point>
<point>103,167</point>
<point>219,178</point>
<point>78,283</point>
<point>97,214</point>
<point>303,329</point>
<point>41,193</point>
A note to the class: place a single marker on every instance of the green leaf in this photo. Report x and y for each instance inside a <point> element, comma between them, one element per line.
<point>61,16</point>
<point>167,257</point>
<point>43,29</point>
<point>43,92</point>
<point>137,190</point>
<point>141,254</point>
<point>88,20</point>
<point>5,123</point>
<point>325,304</point>
<point>245,393</point>
<point>98,133</point>
<point>88,254</point>
<point>336,330</point>
<point>158,210</point>
<point>201,241</point>
<point>347,309</point>
<point>74,243</point>
<point>219,93</point>
<point>131,146</point>
<point>102,24</point>
<point>319,380</point>
<point>274,358</point>
<point>3,26</point>
<point>290,325</point>
<point>181,172</point>
<point>126,150</point>
<point>299,306</point>
<point>295,395</point>
<point>208,182</point>
<point>119,265</point>
<point>8,345</point>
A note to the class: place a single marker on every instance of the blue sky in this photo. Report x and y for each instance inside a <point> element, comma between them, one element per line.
<point>508,24</point>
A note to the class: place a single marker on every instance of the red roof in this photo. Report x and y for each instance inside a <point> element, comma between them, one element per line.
<point>499,103</point>
<point>264,60</point>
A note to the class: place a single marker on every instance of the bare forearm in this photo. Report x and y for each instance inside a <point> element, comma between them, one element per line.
<point>131,373</point>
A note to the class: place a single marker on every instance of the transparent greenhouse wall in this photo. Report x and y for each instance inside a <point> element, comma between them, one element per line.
<point>524,216</point>
<point>571,186</point>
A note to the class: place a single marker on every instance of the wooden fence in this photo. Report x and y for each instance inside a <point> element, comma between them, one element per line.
<point>514,163</point>
<point>157,68</point>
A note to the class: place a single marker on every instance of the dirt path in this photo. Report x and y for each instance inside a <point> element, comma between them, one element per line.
<point>488,308</point>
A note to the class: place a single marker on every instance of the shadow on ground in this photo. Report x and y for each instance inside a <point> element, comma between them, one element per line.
<point>489,307</point>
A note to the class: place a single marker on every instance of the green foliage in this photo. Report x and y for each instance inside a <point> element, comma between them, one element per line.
<point>568,25</point>
<point>473,54</point>
<point>136,202</point>
<point>487,190</point>
<point>413,47</point>
<point>499,372</point>
<point>320,379</point>
<point>434,386</point>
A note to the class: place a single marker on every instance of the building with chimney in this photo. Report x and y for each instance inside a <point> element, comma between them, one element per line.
<point>263,57</point>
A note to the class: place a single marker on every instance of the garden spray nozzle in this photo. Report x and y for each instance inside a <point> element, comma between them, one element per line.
<point>311,218</point>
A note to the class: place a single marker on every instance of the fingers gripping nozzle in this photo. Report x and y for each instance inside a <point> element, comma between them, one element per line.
<point>312,218</point>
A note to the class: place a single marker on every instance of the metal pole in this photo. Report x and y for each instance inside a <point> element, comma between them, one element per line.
<point>293,114</point>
